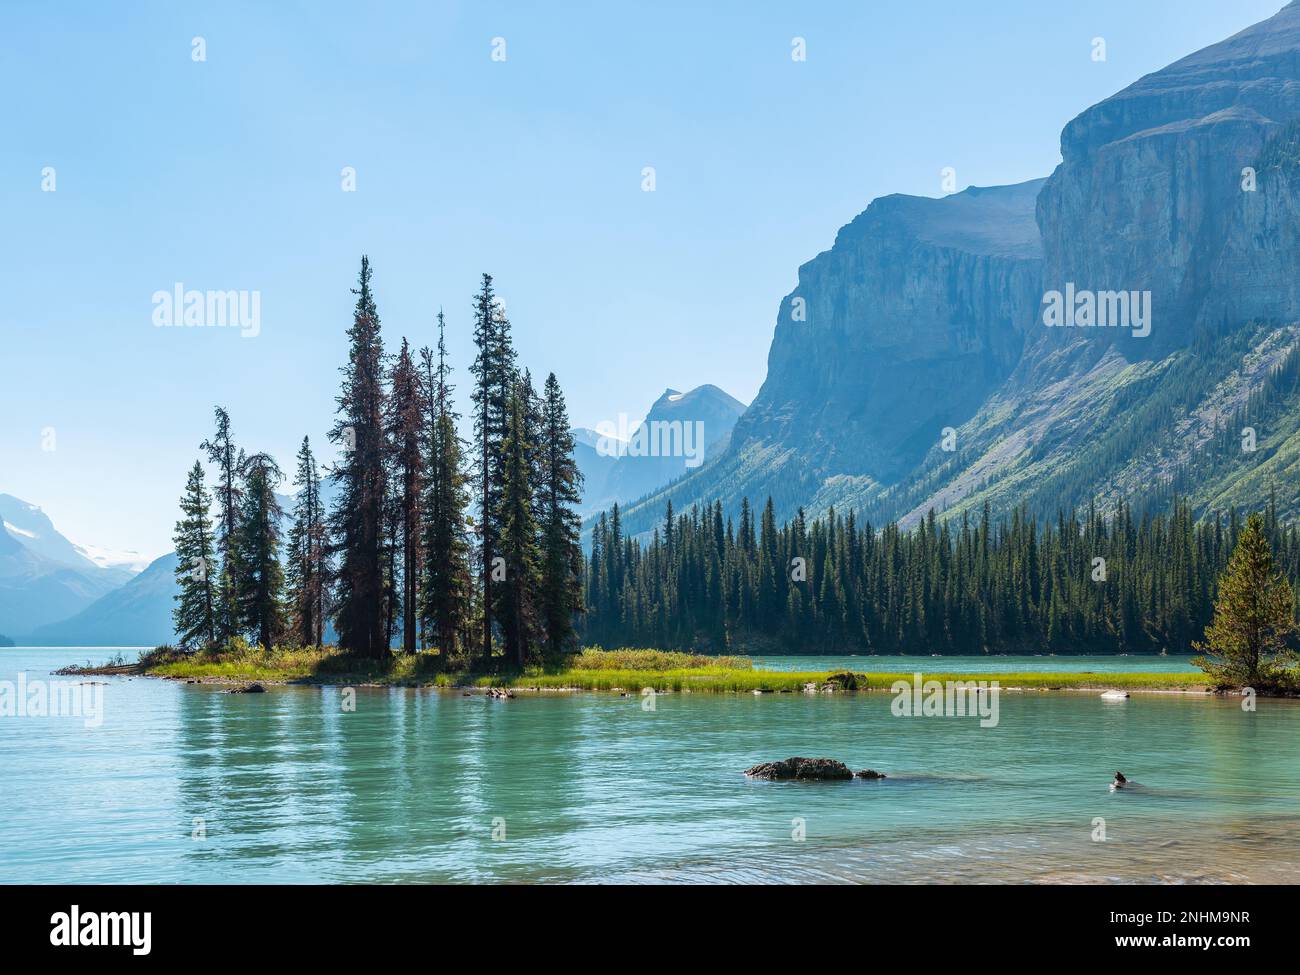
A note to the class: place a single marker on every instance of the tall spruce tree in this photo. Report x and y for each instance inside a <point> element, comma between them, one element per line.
<point>405,430</point>
<point>307,571</point>
<point>494,379</point>
<point>560,491</point>
<point>445,597</point>
<point>261,589</point>
<point>229,461</point>
<point>1248,642</point>
<point>194,616</point>
<point>357,521</point>
<point>518,539</point>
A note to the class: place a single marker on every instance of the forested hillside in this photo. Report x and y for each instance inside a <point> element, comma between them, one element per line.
<point>972,585</point>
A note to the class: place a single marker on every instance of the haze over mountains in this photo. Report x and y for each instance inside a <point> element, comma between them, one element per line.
<point>911,368</point>
<point>44,577</point>
<point>926,317</point>
<point>615,465</point>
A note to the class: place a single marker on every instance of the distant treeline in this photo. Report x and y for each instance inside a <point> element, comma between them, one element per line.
<point>1089,584</point>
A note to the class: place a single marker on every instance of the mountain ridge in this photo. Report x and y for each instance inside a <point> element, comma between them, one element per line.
<point>920,374</point>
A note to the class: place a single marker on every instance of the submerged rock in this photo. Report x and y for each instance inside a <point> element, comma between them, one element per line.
<point>870,773</point>
<point>817,769</point>
<point>253,688</point>
<point>500,693</point>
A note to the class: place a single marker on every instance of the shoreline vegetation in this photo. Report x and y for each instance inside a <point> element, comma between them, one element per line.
<point>626,671</point>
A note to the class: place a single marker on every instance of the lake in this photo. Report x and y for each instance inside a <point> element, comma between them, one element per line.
<point>185,783</point>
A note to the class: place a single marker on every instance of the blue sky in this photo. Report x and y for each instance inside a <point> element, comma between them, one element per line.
<point>225,174</point>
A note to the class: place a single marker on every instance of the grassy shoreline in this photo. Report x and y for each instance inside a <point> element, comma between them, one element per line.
<point>623,671</point>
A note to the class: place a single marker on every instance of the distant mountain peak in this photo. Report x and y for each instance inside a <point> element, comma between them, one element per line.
<point>623,475</point>
<point>33,529</point>
<point>704,398</point>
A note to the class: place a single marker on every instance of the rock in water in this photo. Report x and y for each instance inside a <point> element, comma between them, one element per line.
<point>870,773</point>
<point>812,769</point>
<point>248,689</point>
<point>844,681</point>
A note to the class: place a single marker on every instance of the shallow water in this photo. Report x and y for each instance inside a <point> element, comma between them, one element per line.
<point>590,787</point>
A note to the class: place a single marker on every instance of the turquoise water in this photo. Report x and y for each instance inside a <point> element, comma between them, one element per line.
<point>590,787</point>
<point>982,665</point>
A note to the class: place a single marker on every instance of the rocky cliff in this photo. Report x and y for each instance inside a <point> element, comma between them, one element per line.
<point>903,327</point>
<point>1183,189</point>
<point>1153,191</point>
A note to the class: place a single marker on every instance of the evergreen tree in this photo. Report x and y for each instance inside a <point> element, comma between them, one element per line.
<point>405,430</point>
<point>307,570</point>
<point>358,519</point>
<point>260,595</point>
<point>560,491</point>
<point>1247,644</point>
<point>445,602</point>
<point>194,616</point>
<point>518,540</point>
<point>494,380</point>
<point>229,461</point>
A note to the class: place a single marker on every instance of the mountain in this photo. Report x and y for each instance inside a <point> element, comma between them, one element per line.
<point>912,367</point>
<point>36,589</point>
<point>5,641</point>
<point>34,530</point>
<point>593,464</point>
<point>679,434</point>
<point>136,614</point>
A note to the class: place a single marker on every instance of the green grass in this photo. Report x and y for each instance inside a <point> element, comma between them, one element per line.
<point>631,659</point>
<point>716,679</point>
<point>722,679</point>
<point>597,670</point>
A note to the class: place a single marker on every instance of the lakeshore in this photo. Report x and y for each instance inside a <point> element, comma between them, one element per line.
<point>619,671</point>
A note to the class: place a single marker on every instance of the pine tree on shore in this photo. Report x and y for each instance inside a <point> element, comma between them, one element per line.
<point>444,607</point>
<point>260,595</point>
<point>357,521</point>
<point>1248,642</point>
<point>229,461</point>
<point>518,539</point>
<point>405,428</point>
<point>494,379</point>
<point>560,491</point>
<point>194,616</point>
<point>392,581</point>
<point>307,569</point>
